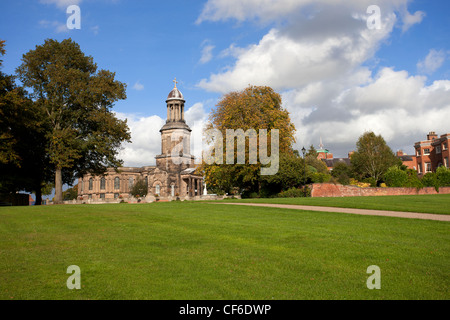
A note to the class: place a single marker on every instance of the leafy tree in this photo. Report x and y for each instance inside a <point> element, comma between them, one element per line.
<point>373,157</point>
<point>140,188</point>
<point>443,176</point>
<point>253,108</point>
<point>342,172</point>
<point>22,134</point>
<point>71,193</point>
<point>76,100</point>
<point>312,152</point>
<point>290,175</point>
<point>396,177</point>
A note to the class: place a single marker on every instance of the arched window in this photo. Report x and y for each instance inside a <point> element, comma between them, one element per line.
<point>130,182</point>
<point>91,184</point>
<point>81,185</point>
<point>116,183</point>
<point>102,183</point>
<point>157,189</point>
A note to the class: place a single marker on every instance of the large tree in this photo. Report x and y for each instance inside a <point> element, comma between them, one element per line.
<point>76,100</point>
<point>22,135</point>
<point>254,108</point>
<point>373,157</point>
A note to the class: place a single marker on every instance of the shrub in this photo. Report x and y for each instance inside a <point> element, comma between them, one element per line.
<point>430,180</point>
<point>396,177</point>
<point>295,193</point>
<point>443,176</point>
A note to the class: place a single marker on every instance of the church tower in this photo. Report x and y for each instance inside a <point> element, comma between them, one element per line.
<point>175,136</point>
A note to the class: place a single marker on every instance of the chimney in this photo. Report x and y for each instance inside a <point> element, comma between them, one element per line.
<point>431,136</point>
<point>400,153</point>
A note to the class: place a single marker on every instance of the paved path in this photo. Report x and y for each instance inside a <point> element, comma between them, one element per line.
<point>411,215</point>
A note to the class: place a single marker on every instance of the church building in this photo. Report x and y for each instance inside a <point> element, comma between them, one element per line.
<point>173,176</point>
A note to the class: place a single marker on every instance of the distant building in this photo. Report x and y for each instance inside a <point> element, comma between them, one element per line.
<point>432,153</point>
<point>429,155</point>
<point>327,157</point>
<point>408,160</point>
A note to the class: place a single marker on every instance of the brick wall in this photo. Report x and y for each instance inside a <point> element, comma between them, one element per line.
<point>337,190</point>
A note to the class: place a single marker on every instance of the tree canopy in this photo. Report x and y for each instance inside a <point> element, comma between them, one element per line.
<point>373,157</point>
<point>254,108</point>
<point>75,99</point>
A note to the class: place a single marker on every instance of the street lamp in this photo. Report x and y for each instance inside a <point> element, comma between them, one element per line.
<point>304,171</point>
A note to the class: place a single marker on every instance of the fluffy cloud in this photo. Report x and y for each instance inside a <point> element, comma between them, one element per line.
<point>146,138</point>
<point>316,56</point>
<point>138,86</point>
<point>432,62</point>
<point>411,19</point>
<point>207,49</point>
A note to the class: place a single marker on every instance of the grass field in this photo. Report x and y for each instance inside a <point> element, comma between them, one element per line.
<point>192,250</point>
<point>437,204</point>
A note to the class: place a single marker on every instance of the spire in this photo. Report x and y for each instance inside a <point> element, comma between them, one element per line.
<point>321,144</point>
<point>175,81</point>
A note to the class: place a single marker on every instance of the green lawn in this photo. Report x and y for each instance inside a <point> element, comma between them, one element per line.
<point>192,250</point>
<point>437,204</point>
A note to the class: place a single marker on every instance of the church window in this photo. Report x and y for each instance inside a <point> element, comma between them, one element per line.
<point>130,183</point>
<point>157,189</point>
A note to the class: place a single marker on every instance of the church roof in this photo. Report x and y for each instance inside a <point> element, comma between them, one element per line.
<point>175,94</point>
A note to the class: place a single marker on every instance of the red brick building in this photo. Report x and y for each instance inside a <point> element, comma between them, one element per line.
<point>432,153</point>
<point>429,155</point>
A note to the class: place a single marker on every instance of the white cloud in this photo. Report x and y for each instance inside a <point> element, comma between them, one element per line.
<point>58,26</point>
<point>289,58</point>
<point>315,55</point>
<point>207,49</point>
<point>411,19</point>
<point>432,61</point>
<point>138,86</point>
<point>63,4</point>
<point>146,140</point>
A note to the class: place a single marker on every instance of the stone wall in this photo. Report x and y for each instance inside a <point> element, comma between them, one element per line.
<point>337,190</point>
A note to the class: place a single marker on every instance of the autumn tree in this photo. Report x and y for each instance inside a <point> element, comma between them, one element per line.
<point>373,157</point>
<point>76,100</point>
<point>254,108</point>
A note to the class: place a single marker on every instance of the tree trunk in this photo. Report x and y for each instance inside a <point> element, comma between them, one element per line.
<point>38,201</point>
<point>58,186</point>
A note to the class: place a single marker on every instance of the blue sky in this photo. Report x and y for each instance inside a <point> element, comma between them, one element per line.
<point>337,77</point>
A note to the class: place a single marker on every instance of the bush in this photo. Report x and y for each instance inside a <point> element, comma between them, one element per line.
<point>249,195</point>
<point>295,193</point>
<point>443,176</point>
<point>430,180</point>
<point>396,177</point>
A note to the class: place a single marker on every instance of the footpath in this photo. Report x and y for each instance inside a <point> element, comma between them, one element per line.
<point>398,214</point>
